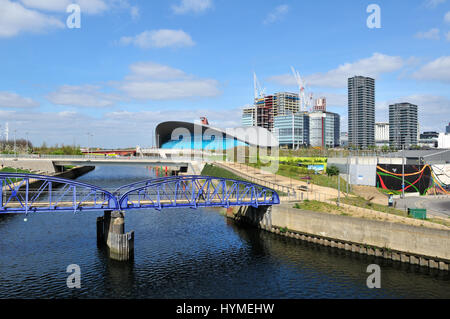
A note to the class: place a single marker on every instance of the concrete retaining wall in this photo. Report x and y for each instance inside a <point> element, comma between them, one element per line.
<point>412,244</point>
<point>42,166</point>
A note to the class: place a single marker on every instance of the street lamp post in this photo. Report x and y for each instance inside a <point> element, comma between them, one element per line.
<point>15,155</point>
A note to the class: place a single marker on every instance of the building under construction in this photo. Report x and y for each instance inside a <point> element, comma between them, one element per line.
<point>288,116</point>
<point>268,107</point>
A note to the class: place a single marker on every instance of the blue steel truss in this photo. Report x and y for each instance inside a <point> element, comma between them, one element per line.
<point>197,191</point>
<point>25,193</point>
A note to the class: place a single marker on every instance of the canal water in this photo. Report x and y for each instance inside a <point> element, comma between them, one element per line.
<point>187,253</point>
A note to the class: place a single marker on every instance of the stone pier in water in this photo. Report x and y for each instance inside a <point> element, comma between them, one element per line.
<point>111,232</point>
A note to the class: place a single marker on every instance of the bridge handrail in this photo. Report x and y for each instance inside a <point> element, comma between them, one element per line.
<point>146,182</point>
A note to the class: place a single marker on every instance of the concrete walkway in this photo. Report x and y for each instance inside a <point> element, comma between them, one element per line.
<point>281,183</point>
<point>315,192</point>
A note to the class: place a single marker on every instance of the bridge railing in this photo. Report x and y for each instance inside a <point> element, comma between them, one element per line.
<point>198,191</point>
<point>288,192</point>
<point>24,193</point>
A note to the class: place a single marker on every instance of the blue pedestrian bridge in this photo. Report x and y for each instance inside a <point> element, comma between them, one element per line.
<point>27,193</point>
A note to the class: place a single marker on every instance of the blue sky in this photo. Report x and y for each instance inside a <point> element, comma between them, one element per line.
<point>133,64</point>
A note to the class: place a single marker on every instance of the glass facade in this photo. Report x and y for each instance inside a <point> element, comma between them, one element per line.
<point>292,130</point>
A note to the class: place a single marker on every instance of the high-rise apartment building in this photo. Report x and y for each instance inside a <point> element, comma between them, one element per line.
<point>361,112</point>
<point>381,133</point>
<point>403,118</point>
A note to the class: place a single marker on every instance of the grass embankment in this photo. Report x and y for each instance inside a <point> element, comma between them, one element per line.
<point>316,206</point>
<point>13,170</point>
<point>363,203</point>
<point>214,171</point>
<point>300,173</point>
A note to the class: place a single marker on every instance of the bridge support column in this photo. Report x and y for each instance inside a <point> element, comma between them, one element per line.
<point>111,232</point>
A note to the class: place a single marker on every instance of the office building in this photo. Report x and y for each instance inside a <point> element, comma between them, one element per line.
<point>361,112</point>
<point>248,116</point>
<point>324,129</point>
<point>292,130</point>
<point>403,119</point>
<point>320,105</point>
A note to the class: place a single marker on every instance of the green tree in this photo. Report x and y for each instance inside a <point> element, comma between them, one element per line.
<point>332,170</point>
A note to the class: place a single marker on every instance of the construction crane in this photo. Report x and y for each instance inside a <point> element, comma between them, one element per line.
<point>301,89</point>
<point>305,103</point>
<point>259,91</point>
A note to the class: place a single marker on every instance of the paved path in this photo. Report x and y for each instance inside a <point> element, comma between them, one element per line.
<point>439,207</point>
<point>259,176</point>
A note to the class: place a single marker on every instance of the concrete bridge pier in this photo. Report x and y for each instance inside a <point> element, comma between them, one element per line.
<point>111,232</point>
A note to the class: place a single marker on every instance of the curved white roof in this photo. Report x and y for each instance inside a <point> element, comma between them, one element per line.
<point>253,135</point>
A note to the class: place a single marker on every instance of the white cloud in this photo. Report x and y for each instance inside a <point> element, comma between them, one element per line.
<point>447,17</point>
<point>159,39</point>
<point>14,19</point>
<point>13,100</point>
<point>373,66</point>
<point>155,71</point>
<point>277,14</point>
<point>82,96</point>
<point>432,34</point>
<point>434,3</point>
<point>195,6</point>
<point>219,118</point>
<point>334,99</point>
<point>437,70</point>
<point>173,90</point>
<point>152,81</point>
<point>434,110</point>
<point>87,6</point>
<point>134,11</point>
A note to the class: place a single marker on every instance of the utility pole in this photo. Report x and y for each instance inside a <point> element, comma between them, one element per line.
<point>89,145</point>
<point>348,171</point>
<point>339,189</point>
<point>15,143</point>
<point>403,171</point>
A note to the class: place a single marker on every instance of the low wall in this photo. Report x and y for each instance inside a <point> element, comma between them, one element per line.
<point>412,244</point>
